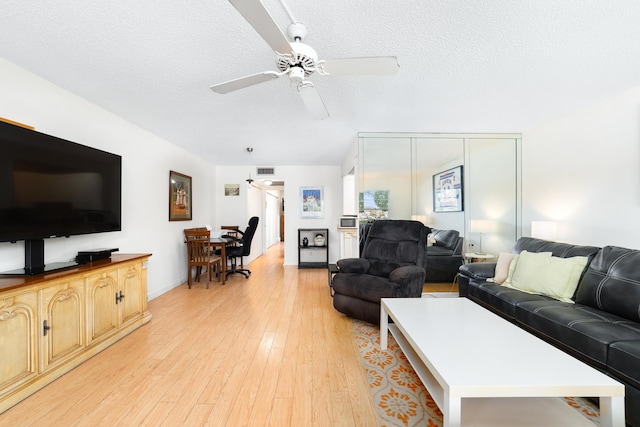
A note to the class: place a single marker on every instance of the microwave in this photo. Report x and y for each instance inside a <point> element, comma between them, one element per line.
<point>348,222</point>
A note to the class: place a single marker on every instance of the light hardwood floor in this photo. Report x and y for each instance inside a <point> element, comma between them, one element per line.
<point>264,351</point>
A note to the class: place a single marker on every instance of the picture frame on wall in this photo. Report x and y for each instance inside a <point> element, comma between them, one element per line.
<point>180,197</point>
<point>448,191</point>
<point>311,202</point>
<point>374,204</point>
<point>232,189</point>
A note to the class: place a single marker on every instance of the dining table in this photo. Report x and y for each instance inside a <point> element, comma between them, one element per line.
<point>221,242</point>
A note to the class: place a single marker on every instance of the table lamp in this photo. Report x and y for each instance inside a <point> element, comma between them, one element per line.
<point>481,226</point>
<point>546,230</point>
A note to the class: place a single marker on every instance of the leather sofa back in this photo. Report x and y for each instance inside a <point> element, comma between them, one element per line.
<point>446,238</point>
<point>612,283</point>
<point>562,250</point>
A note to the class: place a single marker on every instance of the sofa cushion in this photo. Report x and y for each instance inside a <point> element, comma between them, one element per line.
<point>624,361</point>
<point>363,286</point>
<point>582,330</point>
<point>612,282</point>
<point>499,298</point>
<point>542,274</point>
<point>446,238</point>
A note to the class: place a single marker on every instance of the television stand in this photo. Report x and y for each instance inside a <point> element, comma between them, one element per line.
<point>51,323</point>
<point>34,261</point>
<point>39,270</point>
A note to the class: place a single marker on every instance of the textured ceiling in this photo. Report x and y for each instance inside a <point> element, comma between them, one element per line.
<point>465,66</point>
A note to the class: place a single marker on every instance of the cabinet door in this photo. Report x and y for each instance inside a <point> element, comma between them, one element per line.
<point>62,308</point>
<point>130,305</point>
<point>102,316</point>
<point>18,350</point>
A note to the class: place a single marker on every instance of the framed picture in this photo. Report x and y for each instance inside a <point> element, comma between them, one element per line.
<point>448,195</point>
<point>374,204</point>
<point>179,197</point>
<point>311,202</point>
<point>232,189</point>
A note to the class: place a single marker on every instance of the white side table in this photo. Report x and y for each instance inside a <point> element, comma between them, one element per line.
<point>474,257</point>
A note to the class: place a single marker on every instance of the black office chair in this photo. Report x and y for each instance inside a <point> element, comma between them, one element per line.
<point>241,248</point>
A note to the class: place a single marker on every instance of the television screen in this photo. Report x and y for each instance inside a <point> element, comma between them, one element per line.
<point>52,187</point>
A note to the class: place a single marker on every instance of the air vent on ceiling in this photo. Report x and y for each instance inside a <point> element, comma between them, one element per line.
<point>266,171</point>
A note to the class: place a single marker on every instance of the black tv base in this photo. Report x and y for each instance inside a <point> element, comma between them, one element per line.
<point>39,270</point>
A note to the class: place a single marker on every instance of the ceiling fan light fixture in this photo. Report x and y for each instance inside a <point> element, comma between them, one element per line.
<point>296,74</point>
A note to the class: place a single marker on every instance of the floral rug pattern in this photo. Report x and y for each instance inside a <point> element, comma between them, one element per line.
<point>398,394</point>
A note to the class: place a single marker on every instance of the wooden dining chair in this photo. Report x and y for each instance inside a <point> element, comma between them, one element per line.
<point>199,255</point>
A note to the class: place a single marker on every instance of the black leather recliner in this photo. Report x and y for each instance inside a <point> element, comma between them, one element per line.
<point>390,266</point>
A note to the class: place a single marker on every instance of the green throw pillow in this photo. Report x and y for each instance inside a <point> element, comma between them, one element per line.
<point>514,263</point>
<point>543,274</point>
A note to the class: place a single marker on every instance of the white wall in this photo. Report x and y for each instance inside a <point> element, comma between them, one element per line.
<point>234,210</point>
<point>146,162</point>
<point>583,171</point>
<point>330,179</point>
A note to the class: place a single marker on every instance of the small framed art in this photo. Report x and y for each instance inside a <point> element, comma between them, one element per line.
<point>232,189</point>
<point>180,197</point>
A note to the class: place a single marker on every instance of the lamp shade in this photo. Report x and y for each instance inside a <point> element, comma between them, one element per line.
<point>544,230</point>
<point>481,226</point>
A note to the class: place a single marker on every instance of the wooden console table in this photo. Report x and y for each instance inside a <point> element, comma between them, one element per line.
<point>50,323</point>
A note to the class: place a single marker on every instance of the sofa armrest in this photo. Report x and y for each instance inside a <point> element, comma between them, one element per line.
<point>479,270</point>
<point>353,265</point>
<point>410,279</point>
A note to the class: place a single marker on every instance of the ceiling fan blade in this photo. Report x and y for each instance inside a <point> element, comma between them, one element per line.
<point>368,66</point>
<point>312,100</point>
<point>243,82</point>
<point>257,15</point>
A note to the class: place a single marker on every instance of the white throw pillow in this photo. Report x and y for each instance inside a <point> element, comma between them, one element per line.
<point>540,273</point>
<point>502,267</point>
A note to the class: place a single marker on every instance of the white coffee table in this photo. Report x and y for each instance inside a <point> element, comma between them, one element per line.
<point>479,367</point>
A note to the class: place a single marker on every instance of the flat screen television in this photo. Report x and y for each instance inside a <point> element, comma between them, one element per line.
<point>51,187</point>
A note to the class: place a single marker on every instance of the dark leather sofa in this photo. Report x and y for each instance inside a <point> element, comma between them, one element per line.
<point>602,328</point>
<point>444,257</point>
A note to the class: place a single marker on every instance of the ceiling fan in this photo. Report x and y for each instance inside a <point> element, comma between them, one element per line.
<point>299,60</point>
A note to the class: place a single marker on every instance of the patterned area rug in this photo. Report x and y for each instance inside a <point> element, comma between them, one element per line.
<point>398,394</point>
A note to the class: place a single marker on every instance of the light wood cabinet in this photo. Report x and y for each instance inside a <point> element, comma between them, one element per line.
<point>51,323</point>
<point>132,292</point>
<point>18,348</point>
<point>62,322</point>
<point>101,303</point>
